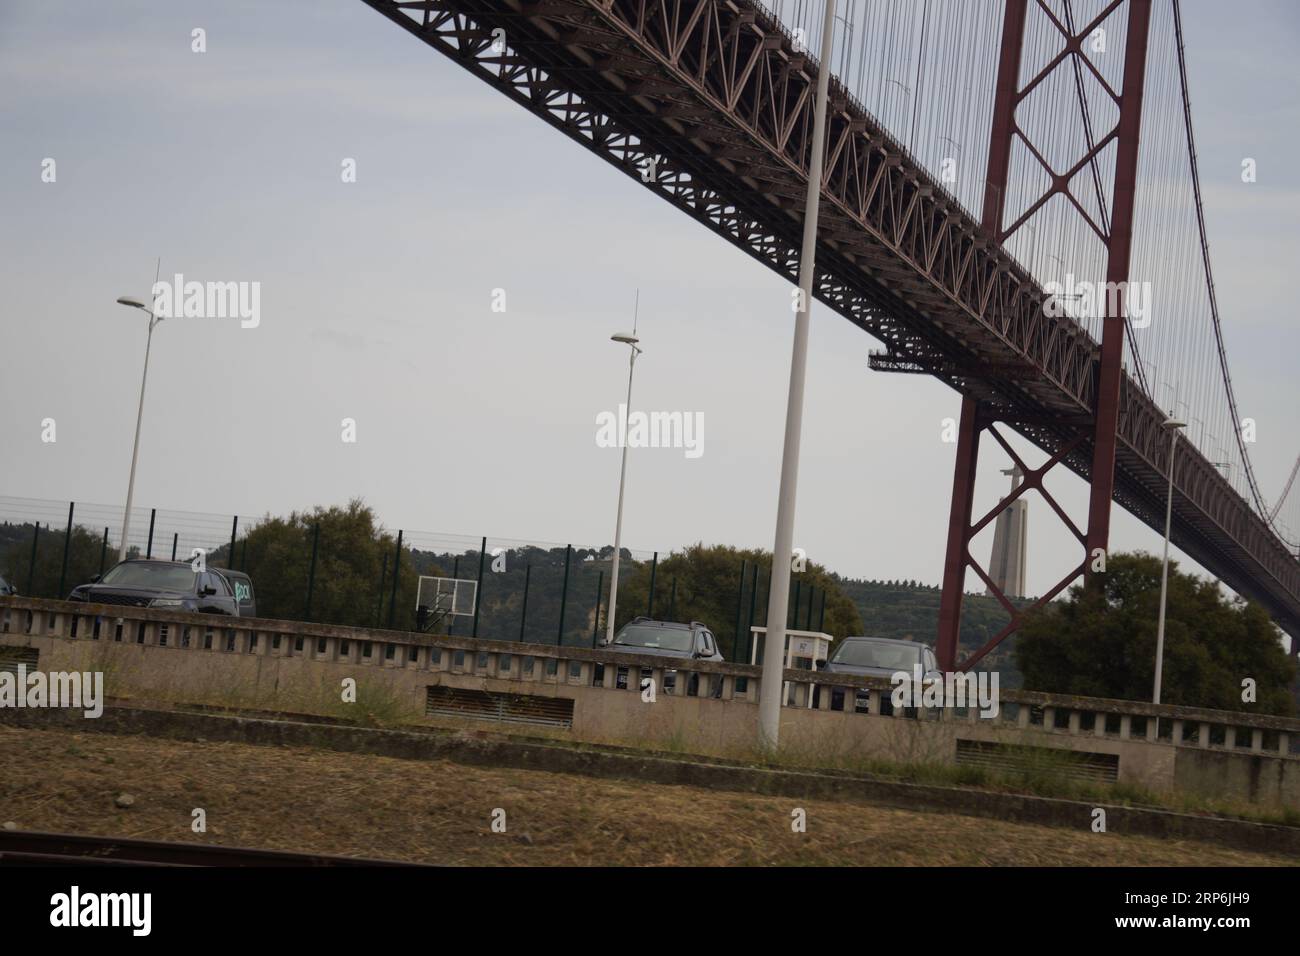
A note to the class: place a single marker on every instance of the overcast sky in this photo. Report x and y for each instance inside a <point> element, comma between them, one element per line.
<point>376,297</point>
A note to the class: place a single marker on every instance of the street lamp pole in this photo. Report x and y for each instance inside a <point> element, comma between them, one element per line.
<point>631,342</point>
<point>139,417</point>
<point>1173,425</point>
<point>770,689</point>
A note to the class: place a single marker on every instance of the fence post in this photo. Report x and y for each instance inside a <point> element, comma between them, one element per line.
<point>230,560</point>
<point>523,615</point>
<point>600,588</point>
<point>397,574</point>
<point>564,594</point>
<point>31,564</point>
<point>383,578</point>
<point>311,573</point>
<point>148,552</point>
<point>740,610</point>
<point>103,551</point>
<point>650,603</point>
<point>176,538</point>
<point>455,576</point>
<point>67,542</point>
<point>478,588</point>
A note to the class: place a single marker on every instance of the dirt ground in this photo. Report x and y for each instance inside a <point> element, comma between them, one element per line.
<point>442,812</point>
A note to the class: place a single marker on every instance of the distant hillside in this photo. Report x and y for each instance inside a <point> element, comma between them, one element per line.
<point>910,610</point>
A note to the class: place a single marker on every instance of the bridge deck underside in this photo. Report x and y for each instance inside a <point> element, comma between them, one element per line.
<point>715,96</point>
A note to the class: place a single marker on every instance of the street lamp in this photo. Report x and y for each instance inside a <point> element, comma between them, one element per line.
<point>139,415</point>
<point>630,340</point>
<point>903,87</point>
<point>1173,425</point>
<point>778,603</point>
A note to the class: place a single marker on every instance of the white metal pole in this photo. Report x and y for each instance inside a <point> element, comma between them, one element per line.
<point>135,451</point>
<point>618,523</point>
<point>770,689</point>
<point>1164,571</point>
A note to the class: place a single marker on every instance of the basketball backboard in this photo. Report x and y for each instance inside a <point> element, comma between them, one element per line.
<point>446,596</point>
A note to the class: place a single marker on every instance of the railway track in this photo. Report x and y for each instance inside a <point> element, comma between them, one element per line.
<point>35,848</point>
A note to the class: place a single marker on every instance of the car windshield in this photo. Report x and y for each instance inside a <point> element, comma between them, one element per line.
<point>875,654</point>
<point>158,577</point>
<point>667,638</point>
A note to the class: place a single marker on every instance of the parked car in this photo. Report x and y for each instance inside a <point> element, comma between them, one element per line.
<point>6,587</point>
<point>174,585</point>
<point>693,641</point>
<point>877,657</point>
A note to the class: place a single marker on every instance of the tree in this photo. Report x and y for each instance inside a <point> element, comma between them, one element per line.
<point>349,564</point>
<point>85,552</point>
<point>1101,642</point>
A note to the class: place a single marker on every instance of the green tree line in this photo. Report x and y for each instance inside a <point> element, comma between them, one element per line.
<point>1100,641</point>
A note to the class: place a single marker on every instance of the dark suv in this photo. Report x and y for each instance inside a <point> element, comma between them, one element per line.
<point>693,641</point>
<point>878,657</point>
<point>163,584</point>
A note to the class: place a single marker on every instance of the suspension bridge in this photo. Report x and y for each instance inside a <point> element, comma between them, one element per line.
<point>984,163</point>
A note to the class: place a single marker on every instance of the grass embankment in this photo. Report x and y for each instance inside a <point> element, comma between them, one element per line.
<point>441,812</point>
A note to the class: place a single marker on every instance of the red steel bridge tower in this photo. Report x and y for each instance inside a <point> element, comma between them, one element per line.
<point>1116,230</point>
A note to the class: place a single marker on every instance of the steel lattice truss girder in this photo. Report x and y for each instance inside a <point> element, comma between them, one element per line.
<point>713,93</point>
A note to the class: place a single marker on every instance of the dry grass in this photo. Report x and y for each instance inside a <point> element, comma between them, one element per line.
<point>440,812</point>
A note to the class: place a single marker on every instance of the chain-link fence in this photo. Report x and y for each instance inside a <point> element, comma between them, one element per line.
<point>338,565</point>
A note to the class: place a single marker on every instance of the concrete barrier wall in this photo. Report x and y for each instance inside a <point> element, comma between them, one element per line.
<point>301,668</point>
